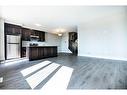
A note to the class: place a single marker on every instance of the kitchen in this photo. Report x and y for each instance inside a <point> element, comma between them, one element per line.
<point>25,42</point>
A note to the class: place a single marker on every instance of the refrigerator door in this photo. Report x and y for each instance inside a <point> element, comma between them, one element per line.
<point>13,39</point>
<point>13,46</point>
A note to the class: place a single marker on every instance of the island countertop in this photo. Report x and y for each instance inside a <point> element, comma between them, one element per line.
<point>39,46</point>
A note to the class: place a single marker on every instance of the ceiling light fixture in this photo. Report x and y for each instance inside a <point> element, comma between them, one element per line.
<point>38,24</point>
<point>60,34</point>
<point>60,31</point>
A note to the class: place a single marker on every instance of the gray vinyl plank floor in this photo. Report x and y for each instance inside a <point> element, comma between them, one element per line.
<point>88,73</point>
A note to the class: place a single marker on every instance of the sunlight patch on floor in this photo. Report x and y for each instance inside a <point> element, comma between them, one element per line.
<point>12,62</point>
<point>1,79</point>
<point>60,80</point>
<point>33,68</point>
<point>38,77</point>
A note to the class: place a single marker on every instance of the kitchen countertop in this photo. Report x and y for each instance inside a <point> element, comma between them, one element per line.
<point>40,46</point>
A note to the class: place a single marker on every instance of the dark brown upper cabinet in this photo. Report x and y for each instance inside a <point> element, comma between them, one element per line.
<point>34,33</point>
<point>26,34</point>
<point>41,35</point>
<point>11,29</point>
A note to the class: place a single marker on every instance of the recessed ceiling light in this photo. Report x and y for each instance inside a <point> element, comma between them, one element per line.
<point>38,24</point>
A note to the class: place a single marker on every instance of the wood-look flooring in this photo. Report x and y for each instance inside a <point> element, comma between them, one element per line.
<point>89,73</point>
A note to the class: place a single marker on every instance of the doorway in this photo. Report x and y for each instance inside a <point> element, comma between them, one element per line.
<point>73,42</point>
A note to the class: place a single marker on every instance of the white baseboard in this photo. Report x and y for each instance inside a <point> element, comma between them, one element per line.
<point>65,52</point>
<point>111,58</point>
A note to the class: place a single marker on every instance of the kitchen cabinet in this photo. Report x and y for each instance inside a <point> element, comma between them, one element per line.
<point>35,33</point>
<point>11,29</point>
<point>41,52</point>
<point>41,35</point>
<point>26,34</point>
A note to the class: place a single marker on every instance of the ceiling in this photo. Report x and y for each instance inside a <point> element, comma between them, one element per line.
<point>53,18</point>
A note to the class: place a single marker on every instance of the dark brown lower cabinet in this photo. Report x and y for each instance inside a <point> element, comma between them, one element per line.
<point>41,52</point>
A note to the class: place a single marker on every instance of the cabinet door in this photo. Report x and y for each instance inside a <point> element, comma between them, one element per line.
<point>11,29</point>
<point>8,29</point>
<point>42,36</point>
<point>45,52</point>
<point>26,34</point>
<point>33,32</point>
<point>33,53</point>
<point>54,51</point>
<point>17,30</point>
<point>37,33</point>
<point>40,53</point>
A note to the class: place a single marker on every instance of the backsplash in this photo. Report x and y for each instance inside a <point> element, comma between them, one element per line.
<point>27,43</point>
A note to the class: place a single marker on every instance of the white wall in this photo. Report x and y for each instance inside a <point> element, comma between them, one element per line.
<point>53,40</point>
<point>0,11</point>
<point>105,37</point>
<point>64,43</point>
<point>50,40</point>
<point>1,39</point>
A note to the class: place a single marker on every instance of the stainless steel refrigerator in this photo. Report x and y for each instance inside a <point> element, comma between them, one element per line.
<point>13,46</point>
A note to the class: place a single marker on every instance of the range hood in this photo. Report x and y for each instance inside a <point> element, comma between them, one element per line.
<point>34,38</point>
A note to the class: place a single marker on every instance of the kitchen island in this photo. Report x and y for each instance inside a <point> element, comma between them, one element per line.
<point>40,52</point>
